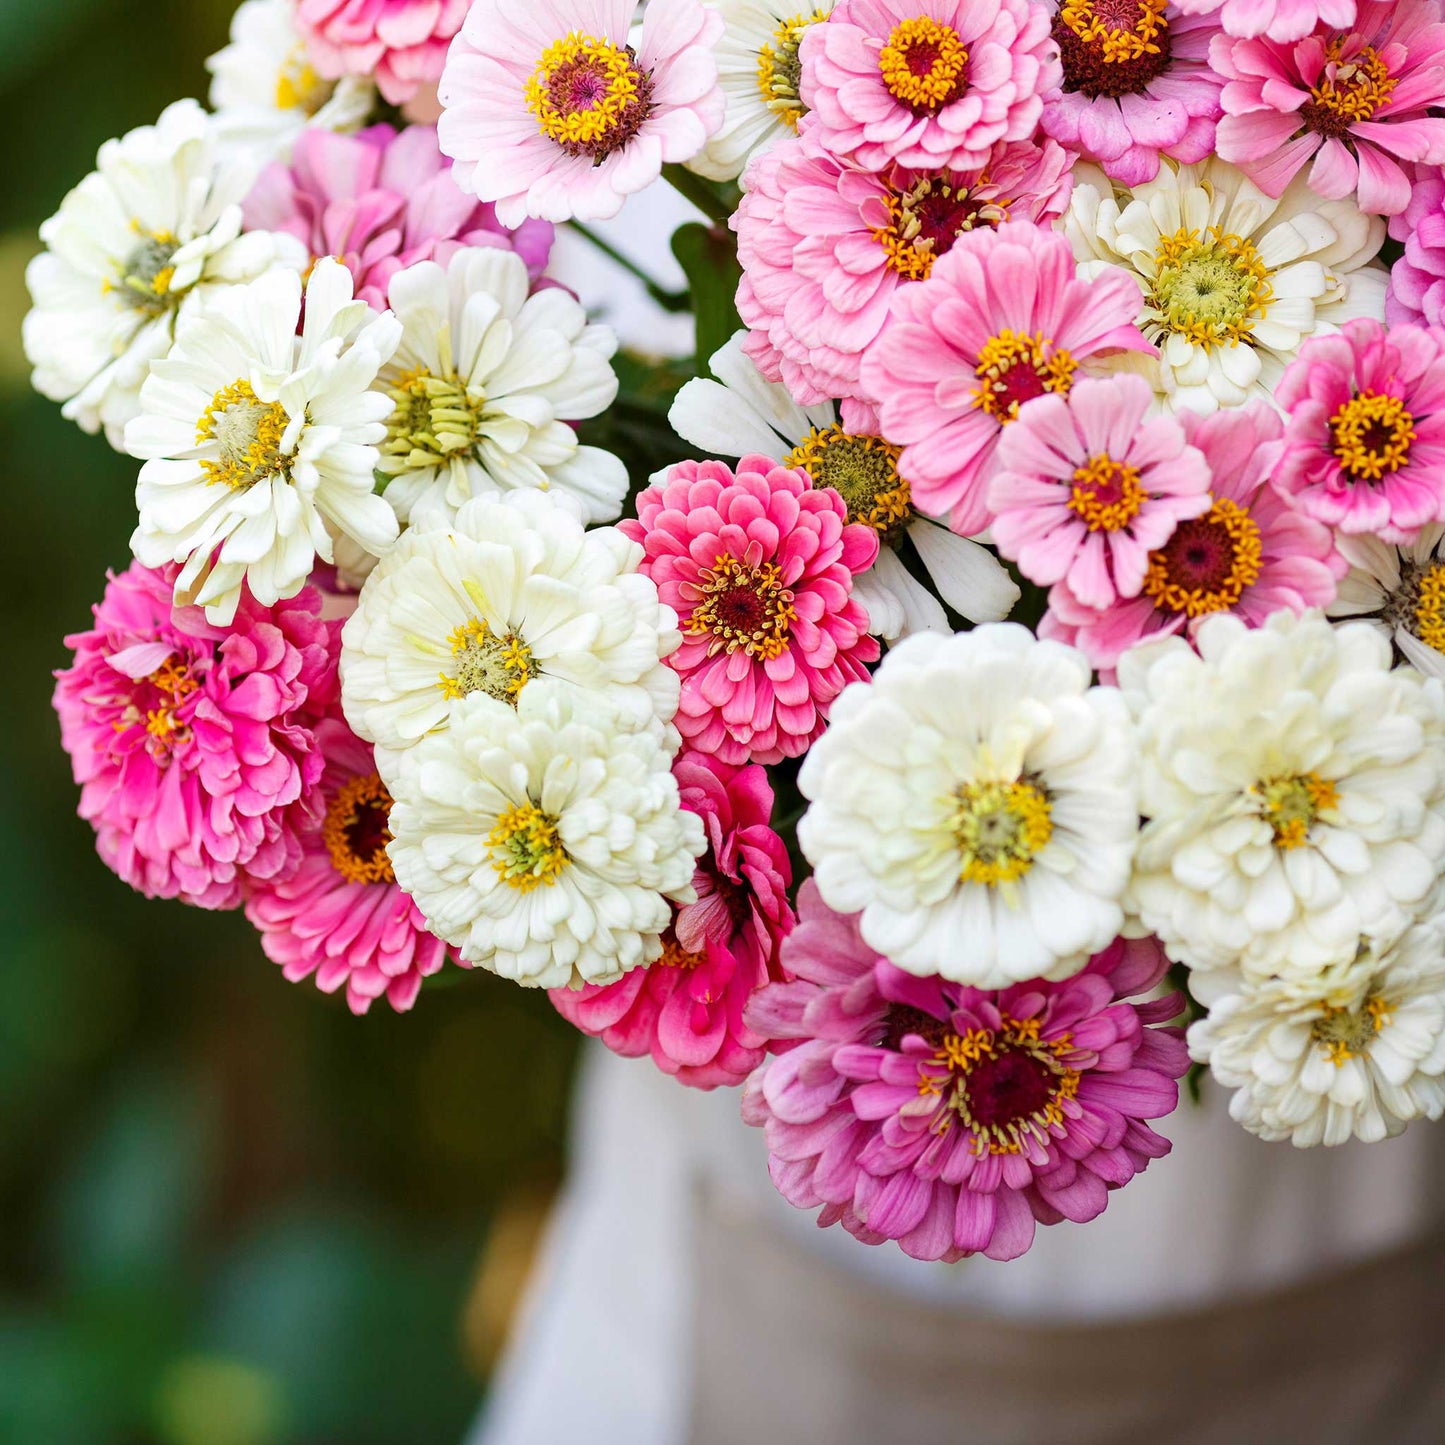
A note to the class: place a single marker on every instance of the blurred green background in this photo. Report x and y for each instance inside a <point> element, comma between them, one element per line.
<point>232,1213</point>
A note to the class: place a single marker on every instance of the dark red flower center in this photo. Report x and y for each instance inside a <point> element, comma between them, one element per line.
<point>1111,47</point>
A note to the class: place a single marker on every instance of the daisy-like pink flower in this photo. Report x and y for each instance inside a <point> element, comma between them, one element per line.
<point>759,568</point>
<point>1355,103</point>
<point>340,916</point>
<point>686,1010</point>
<point>1251,553</point>
<point>1278,19</point>
<point>930,84</point>
<point>1137,85</point>
<point>401,44</point>
<point>1004,317</point>
<point>824,246</point>
<point>549,110</point>
<point>951,1119</point>
<point>381,201</point>
<point>1088,487</point>
<point>193,745</point>
<point>1365,435</point>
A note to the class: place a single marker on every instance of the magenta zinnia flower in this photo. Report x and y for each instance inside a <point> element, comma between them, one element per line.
<point>1365,435</point>
<point>1087,488</point>
<point>686,1010</point>
<point>952,1119</point>
<point>930,84</point>
<point>402,44</point>
<point>759,568</point>
<point>824,246</point>
<point>1278,19</point>
<point>1417,279</point>
<point>1250,553</point>
<point>193,745</point>
<point>1356,101</point>
<point>1003,318</point>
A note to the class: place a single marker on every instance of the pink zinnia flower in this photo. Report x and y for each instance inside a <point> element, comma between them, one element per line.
<point>381,202</point>
<point>759,568</point>
<point>1087,488</point>
<point>341,915</point>
<point>1417,279</point>
<point>550,111</point>
<point>1137,85</point>
<point>1365,438</point>
<point>194,745</point>
<point>1357,102</point>
<point>1278,19</point>
<point>952,1119</point>
<point>686,1010</point>
<point>824,245</point>
<point>1003,318</point>
<point>1250,553</point>
<point>931,84</point>
<point>402,44</point>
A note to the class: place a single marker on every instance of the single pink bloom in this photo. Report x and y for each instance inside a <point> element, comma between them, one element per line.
<point>686,1010</point>
<point>1356,104</point>
<point>1282,20</point>
<point>1087,487</point>
<point>930,84</point>
<point>950,1119</point>
<point>402,44</point>
<point>759,568</point>
<point>1365,435</point>
<point>1250,554</point>
<point>1417,279</point>
<point>194,746</point>
<point>1004,317</point>
<point>380,201</point>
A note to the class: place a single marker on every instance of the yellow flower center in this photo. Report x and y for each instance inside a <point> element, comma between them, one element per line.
<point>173,683</point>
<point>924,63</point>
<point>1291,806</point>
<point>435,418</point>
<point>927,218</point>
<point>1000,828</point>
<point>483,662</point>
<point>1118,33</point>
<point>1014,367</point>
<point>1372,435</point>
<point>357,830</point>
<point>1208,562</point>
<point>526,850</point>
<point>863,470</point>
<point>1346,1033</point>
<point>674,955</point>
<point>299,87</point>
<point>1430,607</point>
<point>779,68</point>
<point>143,279</point>
<point>742,607</point>
<point>1210,288</point>
<point>1350,90</point>
<point>247,433</point>
<point>1108,495</point>
<point>589,95</point>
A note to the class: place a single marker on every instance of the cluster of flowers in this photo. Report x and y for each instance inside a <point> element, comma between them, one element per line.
<point>1061,309</point>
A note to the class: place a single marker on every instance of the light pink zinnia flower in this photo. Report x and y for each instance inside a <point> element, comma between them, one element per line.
<point>1278,19</point>
<point>930,84</point>
<point>549,111</point>
<point>686,1010</point>
<point>1357,102</point>
<point>1417,279</point>
<point>759,568</point>
<point>341,915</point>
<point>1087,488</point>
<point>1137,85</point>
<point>1250,553</point>
<point>402,44</point>
<point>381,202</point>
<point>194,745</point>
<point>824,245</point>
<point>1003,318</point>
<point>1365,435</point>
<point>951,1119</point>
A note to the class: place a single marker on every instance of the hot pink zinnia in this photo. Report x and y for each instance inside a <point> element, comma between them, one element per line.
<point>381,202</point>
<point>1357,102</point>
<point>931,84</point>
<point>1417,279</point>
<point>341,915</point>
<point>1278,19</point>
<point>1365,436</point>
<point>686,1010</point>
<point>824,246</point>
<point>194,745</point>
<point>1087,488</point>
<point>759,568</point>
<point>1250,553</point>
<point>402,44</point>
<point>1003,318</point>
<point>951,1119</point>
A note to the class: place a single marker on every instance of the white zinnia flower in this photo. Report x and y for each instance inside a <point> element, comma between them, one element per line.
<point>742,413</point>
<point>484,383</point>
<point>976,804</point>
<point>758,69</point>
<point>1400,591</point>
<point>513,590</point>
<point>1233,282</point>
<point>544,843</point>
<point>1357,1051</point>
<point>151,232</point>
<point>257,441</point>
<point>1295,791</point>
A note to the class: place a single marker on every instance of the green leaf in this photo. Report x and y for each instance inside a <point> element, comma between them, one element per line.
<point>708,256</point>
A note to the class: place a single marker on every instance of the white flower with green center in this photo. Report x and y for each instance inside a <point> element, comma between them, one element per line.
<point>149,235</point>
<point>1232,281</point>
<point>545,841</point>
<point>260,446</point>
<point>975,803</point>
<point>1400,591</point>
<point>741,413</point>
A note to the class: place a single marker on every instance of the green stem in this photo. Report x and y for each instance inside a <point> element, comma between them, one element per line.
<point>668,300</point>
<point>702,193</point>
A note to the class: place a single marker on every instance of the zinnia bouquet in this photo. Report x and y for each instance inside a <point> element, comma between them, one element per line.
<point>1025,675</point>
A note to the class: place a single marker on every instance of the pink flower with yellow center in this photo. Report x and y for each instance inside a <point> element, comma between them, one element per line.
<point>402,44</point>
